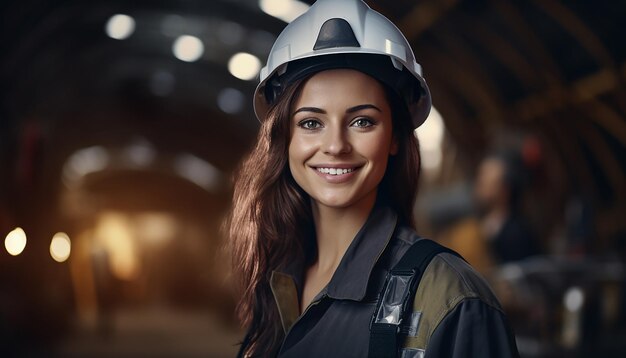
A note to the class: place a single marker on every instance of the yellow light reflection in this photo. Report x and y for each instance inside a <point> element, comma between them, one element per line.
<point>115,235</point>
<point>60,247</point>
<point>430,135</point>
<point>155,228</point>
<point>15,241</point>
<point>83,278</point>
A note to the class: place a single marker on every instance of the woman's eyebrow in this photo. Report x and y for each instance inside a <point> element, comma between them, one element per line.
<point>349,110</point>
<point>362,107</point>
<point>310,109</point>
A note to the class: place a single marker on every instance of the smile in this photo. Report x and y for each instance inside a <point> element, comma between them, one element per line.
<point>335,171</point>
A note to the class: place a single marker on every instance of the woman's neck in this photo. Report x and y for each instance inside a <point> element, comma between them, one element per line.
<point>336,228</point>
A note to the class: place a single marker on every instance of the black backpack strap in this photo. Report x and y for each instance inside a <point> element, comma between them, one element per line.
<point>397,295</point>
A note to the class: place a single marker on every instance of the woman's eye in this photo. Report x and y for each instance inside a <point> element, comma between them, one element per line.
<point>362,122</point>
<point>309,124</point>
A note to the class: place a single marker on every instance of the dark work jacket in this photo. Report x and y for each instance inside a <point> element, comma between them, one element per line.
<point>455,312</point>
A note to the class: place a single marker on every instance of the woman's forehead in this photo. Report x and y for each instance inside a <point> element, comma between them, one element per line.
<point>343,87</point>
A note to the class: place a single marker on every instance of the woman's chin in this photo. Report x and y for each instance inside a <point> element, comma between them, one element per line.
<point>340,201</point>
<point>332,203</point>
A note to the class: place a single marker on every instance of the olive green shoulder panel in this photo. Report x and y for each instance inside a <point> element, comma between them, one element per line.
<point>286,296</point>
<point>447,281</point>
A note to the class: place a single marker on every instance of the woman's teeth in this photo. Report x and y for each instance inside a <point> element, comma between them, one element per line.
<point>334,171</point>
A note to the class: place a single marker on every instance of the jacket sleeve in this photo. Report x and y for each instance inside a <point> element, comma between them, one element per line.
<point>472,329</point>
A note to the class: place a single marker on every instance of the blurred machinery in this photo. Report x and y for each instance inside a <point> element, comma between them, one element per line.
<point>565,307</point>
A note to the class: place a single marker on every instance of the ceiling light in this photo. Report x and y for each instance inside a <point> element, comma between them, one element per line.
<point>120,26</point>
<point>60,247</point>
<point>188,48</point>
<point>15,241</point>
<point>286,10</point>
<point>244,66</point>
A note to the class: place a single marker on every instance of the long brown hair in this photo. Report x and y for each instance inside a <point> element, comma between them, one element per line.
<point>270,224</point>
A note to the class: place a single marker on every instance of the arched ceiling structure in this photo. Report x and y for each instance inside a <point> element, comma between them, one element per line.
<point>553,68</point>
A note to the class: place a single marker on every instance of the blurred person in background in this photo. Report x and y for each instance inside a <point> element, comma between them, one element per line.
<point>322,207</point>
<point>499,190</point>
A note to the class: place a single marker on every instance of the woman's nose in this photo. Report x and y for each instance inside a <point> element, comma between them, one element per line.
<point>336,142</point>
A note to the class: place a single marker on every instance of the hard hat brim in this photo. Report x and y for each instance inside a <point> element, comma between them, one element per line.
<point>411,88</point>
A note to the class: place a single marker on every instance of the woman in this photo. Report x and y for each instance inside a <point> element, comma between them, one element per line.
<point>322,208</point>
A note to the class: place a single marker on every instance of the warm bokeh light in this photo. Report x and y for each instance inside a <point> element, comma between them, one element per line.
<point>85,161</point>
<point>430,136</point>
<point>15,241</point>
<point>155,228</point>
<point>60,247</point>
<point>120,26</point>
<point>244,66</point>
<point>286,10</point>
<point>114,240</point>
<point>188,48</point>
<point>198,171</point>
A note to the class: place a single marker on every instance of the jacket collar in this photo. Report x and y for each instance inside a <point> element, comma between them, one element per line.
<point>352,276</point>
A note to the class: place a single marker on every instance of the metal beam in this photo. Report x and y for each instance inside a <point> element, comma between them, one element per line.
<point>550,69</point>
<point>466,82</point>
<point>470,62</point>
<point>583,91</point>
<point>423,16</point>
<point>578,29</point>
<point>602,153</point>
<point>495,44</point>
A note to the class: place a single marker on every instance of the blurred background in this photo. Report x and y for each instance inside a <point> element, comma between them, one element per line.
<point>121,123</point>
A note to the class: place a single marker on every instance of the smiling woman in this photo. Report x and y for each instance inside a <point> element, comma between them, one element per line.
<point>321,230</point>
<point>340,145</point>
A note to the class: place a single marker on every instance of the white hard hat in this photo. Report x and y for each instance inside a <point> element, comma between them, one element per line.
<point>344,34</point>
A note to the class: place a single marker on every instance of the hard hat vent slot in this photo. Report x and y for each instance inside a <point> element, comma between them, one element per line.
<point>336,33</point>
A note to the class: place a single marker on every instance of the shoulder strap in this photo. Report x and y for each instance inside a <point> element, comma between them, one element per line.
<point>396,297</point>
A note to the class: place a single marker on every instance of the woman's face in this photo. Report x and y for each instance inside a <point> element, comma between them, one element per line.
<point>341,138</point>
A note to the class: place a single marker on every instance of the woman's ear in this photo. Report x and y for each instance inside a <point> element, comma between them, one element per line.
<point>393,149</point>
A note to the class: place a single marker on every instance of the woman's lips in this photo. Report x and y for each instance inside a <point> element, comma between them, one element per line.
<point>337,173</point>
